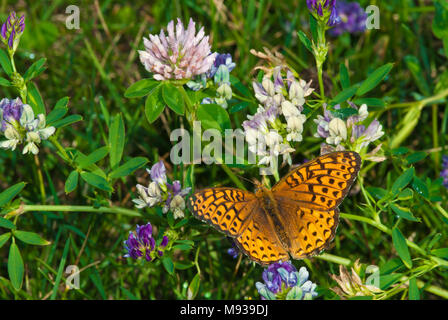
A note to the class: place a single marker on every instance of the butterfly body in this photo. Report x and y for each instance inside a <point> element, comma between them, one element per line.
<point>298,217</point>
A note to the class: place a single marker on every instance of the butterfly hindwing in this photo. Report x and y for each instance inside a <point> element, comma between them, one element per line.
<point>259,241</point>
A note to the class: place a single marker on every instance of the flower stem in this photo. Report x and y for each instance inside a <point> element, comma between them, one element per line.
<point>78,209</point>
<point>41,179</point>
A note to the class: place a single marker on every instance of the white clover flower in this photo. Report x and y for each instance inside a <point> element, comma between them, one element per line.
<point>182,54</point>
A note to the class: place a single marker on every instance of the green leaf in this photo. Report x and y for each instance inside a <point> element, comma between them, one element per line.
<point>344,95</point>
<point>96,181</point>
<point>344,76</point>
<point>67,121</point>
<point>377,192</point>
<point>370,102</point>
<point>35,99</point>
<point>36,69</point>
<point>183,247</point>
<point>403,213</point>
<point>193,288</point>
<point>72,181</point>
<point>239,106</point>
<point>10,193</point>
<point>4,238</point>
<point>116,140</point>
<point>403,180</point>
<point>5,223</point>
<point>400,245</point>
<point>440,21</point>
<point>154,105</point>
<point>31,238</point>
<point>15,267</point>
<point>4,82</point>
<point>304,39</point>
<point>415,157</point>
<point>129,167</point>
<point>5,62</point>
<point>173,98</point>
<point>374,79</point>
<point>213,116</point>
<point>420,187</point>
<point>183,266</point>
<point>414,292</point>
<point>104,110</point>
<point>56,114</point>
<point>400,151</point>
<point>406,194</point>
<point>94,157</point>
<point>168,264</point>
<point>344,113</point>
<point>441,253</point>
<point>142,88</point>
<point>387,280</point>
<point>236,83</point>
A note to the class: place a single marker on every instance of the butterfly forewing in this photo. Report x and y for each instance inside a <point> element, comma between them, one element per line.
<point>322,183</point>
<point>226,209</point>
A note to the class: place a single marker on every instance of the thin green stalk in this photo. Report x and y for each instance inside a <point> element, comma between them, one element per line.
<point>233,177</point>
<point>77,209</point>
<point>335,259</point>
<point>40,178</point>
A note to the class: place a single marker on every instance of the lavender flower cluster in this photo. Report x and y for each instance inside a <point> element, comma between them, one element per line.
<point>324,10</point>
<point>18,125</point>
<point>352,18</point>
<point>142,245</point>
<point>268,134</point>
<point>161,192</point>
<point>282,281</point>
<point>12,30</point>
<point>350,134</point>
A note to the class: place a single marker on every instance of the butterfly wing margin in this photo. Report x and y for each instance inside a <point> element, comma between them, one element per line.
<point>226,209</point>
<point>322,183</point>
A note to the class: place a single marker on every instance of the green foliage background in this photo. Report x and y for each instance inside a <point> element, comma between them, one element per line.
<point>95,65</point>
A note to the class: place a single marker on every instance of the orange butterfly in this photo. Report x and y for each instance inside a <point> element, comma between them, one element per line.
<point>299,215</point>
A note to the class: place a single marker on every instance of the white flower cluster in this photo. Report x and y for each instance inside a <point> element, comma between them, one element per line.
<point>351,133</point>
<point>279,121</point>
<point>19,125</point>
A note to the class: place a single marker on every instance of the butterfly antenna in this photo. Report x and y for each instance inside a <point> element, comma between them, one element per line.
<point>244,178</point>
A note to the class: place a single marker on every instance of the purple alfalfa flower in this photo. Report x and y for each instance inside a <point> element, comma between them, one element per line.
<point>158,173</point>
<point>12,30</point>
<point>323,122</point>
<point>233,251</point>
<point>283,281</point>
<point>324,10</point>
<point>10,112</point>
<point>140,243</point>
<point>162,245</point>
<point>352,18</point>
<point>222,59</point>
<point>444,171</point>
